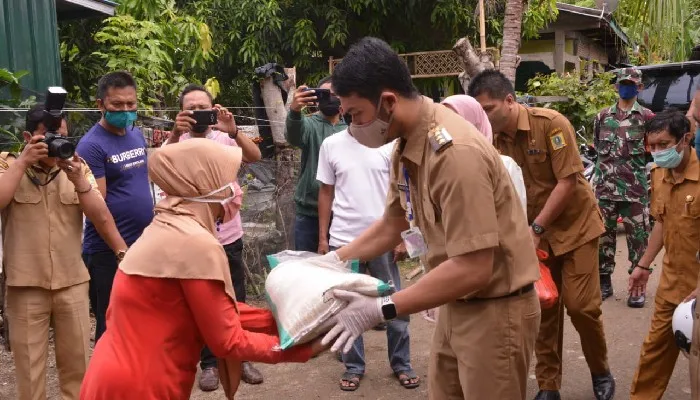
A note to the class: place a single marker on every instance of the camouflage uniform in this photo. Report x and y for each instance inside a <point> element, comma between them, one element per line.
<point>620,180</point>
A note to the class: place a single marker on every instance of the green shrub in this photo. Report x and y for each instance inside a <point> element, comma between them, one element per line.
<point>586,98</point>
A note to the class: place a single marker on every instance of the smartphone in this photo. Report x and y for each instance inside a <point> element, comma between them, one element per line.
<point>205,117</point>
<point>322,95</point>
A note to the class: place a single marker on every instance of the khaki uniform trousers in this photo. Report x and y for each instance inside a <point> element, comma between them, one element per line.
<point>576,276</point>
<point>695,356</point>
<point>658,355</point>
<point>482,348</point>
<point>30,311</point>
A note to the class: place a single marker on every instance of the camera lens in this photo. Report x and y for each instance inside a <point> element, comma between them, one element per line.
<point>61,148</point>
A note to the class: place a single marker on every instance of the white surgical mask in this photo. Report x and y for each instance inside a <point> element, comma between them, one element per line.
<point>231,207</point>
<point>372,134</point>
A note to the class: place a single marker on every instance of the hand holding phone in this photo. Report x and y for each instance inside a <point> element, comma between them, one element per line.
<point>303,97</point>
<point>205,117</point>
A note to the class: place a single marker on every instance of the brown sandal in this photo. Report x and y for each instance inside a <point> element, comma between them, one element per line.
<point>353,381</point>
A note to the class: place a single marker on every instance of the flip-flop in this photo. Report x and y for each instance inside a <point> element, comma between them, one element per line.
<point>350,378</point>
<point>406,382</point>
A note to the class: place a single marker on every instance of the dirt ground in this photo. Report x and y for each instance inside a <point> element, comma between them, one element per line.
<point>625,329</point>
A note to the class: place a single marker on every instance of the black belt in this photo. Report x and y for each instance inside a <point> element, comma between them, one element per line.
<point>523,290</point>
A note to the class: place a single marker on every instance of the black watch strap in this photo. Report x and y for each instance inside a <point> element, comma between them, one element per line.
<point>388,308</point>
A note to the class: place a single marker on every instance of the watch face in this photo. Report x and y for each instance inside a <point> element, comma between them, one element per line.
<point>388,308</point>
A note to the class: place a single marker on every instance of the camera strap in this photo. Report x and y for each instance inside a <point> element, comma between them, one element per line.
<point>35,180</point>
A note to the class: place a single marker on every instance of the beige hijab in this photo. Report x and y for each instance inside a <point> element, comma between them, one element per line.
<point>181,241</point>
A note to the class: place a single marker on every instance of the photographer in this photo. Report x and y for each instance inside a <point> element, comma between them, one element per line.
<point>230,234</point>
<point>43,199</point>
<point>307,133</point>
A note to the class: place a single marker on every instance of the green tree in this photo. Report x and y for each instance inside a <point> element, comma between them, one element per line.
<point>168,42</point>
<point>160,44</point>
<point>586,97</point>
<point>665,30</point>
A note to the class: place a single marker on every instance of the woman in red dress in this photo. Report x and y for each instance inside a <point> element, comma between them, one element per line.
<point>173,293</point>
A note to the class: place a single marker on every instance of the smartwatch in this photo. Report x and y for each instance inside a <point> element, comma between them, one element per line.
<point>537,229</point>
<point>388,308</point>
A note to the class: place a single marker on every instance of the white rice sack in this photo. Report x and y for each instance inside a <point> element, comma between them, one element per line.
<point>298,293</point>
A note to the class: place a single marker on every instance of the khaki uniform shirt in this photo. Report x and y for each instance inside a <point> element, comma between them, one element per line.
<point>545,148</point>
<point>42,228</point>
<point>677,206</point>
<point>462,199</point>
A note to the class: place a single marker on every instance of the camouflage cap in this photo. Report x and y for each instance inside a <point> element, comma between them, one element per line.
<point>629,74</point>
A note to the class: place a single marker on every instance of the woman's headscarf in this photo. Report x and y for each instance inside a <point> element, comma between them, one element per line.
<point>470,109</point>
<point>180,242</point>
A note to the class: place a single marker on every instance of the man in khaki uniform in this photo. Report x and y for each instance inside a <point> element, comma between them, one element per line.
<point>675,204</point>
<point>565,221</point>
<point>465,214</point>
<point>42,201</point>
<point>694,113</point>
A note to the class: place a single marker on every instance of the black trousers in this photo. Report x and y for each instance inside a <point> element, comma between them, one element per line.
<point>234,253</point>
<point>102,267</point>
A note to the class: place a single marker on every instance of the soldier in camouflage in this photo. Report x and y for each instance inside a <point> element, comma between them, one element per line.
<point>620,180</point>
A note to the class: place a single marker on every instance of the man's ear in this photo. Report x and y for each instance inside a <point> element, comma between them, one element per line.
<point>27,136</point>
<point>100,104</point>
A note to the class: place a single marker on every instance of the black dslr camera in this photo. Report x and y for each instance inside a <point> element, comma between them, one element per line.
<point>59,146</point>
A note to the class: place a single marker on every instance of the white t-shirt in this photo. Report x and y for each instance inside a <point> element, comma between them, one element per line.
<point>361,178</point>
<point>516,175</point>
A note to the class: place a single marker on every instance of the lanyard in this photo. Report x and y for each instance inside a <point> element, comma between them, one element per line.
<point>409,207</point>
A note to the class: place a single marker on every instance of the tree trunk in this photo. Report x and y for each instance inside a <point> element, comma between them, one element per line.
<point>286,156</point>
<point>274,106</point>
<point>474,61</point>
<point>512,27</point>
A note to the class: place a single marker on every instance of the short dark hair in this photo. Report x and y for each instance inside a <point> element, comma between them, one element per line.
<point>194,87</point>
<point>673,121</point>
<point>35,117</point>
<point>370,67</point>
<point>117,79</point>
<point>493,83</point>
<point>324,81</point>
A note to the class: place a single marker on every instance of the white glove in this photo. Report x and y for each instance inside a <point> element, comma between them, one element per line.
<point>331,257</point>
<point>360,315</point>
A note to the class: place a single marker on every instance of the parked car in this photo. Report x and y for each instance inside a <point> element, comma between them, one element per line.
<point>669,85</point>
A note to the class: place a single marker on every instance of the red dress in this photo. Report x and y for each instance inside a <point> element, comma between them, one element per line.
<point>156,329</point>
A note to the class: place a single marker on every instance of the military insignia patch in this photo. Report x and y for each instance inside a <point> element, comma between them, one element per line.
<point>4,164</point>
<point>557,138</point>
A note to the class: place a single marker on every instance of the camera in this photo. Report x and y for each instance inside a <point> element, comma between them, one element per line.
<point>58,145</point>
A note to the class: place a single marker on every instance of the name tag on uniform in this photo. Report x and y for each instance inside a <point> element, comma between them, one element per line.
<point>415,244</point>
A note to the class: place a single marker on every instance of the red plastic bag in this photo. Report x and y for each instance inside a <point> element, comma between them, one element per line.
<point>545,286</point>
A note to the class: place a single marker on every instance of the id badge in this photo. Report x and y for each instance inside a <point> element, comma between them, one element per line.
<point>415,245</point>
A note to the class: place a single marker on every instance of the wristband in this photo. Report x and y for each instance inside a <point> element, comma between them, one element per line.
<point>83,191</point>
<point>235,135</point>
<point>648,269</point>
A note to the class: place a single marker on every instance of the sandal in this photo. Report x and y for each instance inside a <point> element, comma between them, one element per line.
<point>405,378</point>
<point>352,381</point>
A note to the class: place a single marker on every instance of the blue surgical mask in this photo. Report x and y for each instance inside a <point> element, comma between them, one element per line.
<point>697,142</point>
<point>628,92</point>
<point>668,158</point>
<point>120,119</point>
